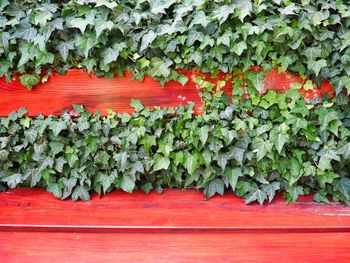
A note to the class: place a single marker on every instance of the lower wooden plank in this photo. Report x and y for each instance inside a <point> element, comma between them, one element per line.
<point>25,209</point>
<point>155,247</point>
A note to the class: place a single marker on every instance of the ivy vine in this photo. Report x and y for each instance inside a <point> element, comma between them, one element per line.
<point>254,146</point>
<point>310,37</point>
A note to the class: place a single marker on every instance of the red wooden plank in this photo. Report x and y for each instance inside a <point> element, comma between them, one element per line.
<point>77,87</point>
<point>155,247</point>
<point>25,209</point>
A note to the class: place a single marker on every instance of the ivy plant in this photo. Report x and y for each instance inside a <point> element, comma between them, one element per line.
<point>255,147</point>
<point>310,37</point>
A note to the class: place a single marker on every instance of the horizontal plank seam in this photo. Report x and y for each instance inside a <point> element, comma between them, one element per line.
<point>167,229</point>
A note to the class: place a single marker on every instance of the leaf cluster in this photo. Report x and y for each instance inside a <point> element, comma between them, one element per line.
<point>253,147</point>
<point>310,37</point>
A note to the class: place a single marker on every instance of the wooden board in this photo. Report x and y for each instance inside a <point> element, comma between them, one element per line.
<point>78,87</point>
<point>36,210</point>
<point>176,226</point>
<point>26,247</point>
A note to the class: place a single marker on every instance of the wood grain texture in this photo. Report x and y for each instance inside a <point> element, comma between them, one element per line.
<point>30,209</point>
<point>77,87</point>
<point>159,247</point>
<point>176,226</point>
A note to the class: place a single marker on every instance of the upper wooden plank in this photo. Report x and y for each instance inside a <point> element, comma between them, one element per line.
<point>77,87</point>
<point>174,209</point>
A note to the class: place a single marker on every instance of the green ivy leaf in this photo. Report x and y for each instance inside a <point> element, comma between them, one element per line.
<point>147,39</point>
<point>43,58</point>
<point>256,79</point>
<point>232,175</point>
<point>191,163</point>
<point>343,186</point>
<point>137,105</point>
<point>12,180</point>
<point>86,42</point>
<point>80,192</point>
<point>321,197</point>
<point>239,48</point>
<point>316,66</point>
<point>214,187</point>
<point>203,134</point>
<point>159,68</point>
<point>78,22</point>
<point>160,163</point>
<point>128,184</point>
<point>106,3</point>
<point>294,192</point>
<point>29,80</point>
<point>261,148</point>
<point>64,48</point>
<point>199,18</point>
<point>271,189</point>
<point>256,195</point>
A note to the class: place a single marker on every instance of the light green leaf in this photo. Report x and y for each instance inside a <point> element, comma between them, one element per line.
<point>261,148</point>
<point>12,180</point>
<point>147,39</point>
<point>271,189</point>
<point>29,80</point>
<point>294,192</point>
<point>86,42</point>
<point>128,184</point>
<point>80,192</point>
<point>106,3</point>
<point>199,18</point>
<point>256,195</point>
<point>191,163</point>
<point>203,134</point>
<point>111,54</point>
<point>78,22</point>
<point>43,58</point>
<point>239,47</point>
<point>316,66</point>
<point>160,163</point>
<point>232,175</point>
<point>64,48</point>
<point>159,6</point>
<point>256,79</point>
<point>137,105</point>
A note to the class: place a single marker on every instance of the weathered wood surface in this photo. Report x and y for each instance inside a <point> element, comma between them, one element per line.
<point>78,87</point>
<point>176,226</point>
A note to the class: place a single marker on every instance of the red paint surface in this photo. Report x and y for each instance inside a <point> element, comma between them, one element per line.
<point>172,209</point>
<point>176,226</point>
<point>26,247</point>
<point>77,87</point>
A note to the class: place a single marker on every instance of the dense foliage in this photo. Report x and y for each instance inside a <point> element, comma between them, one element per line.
<point>310,37</point>
<point>253,146</point>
